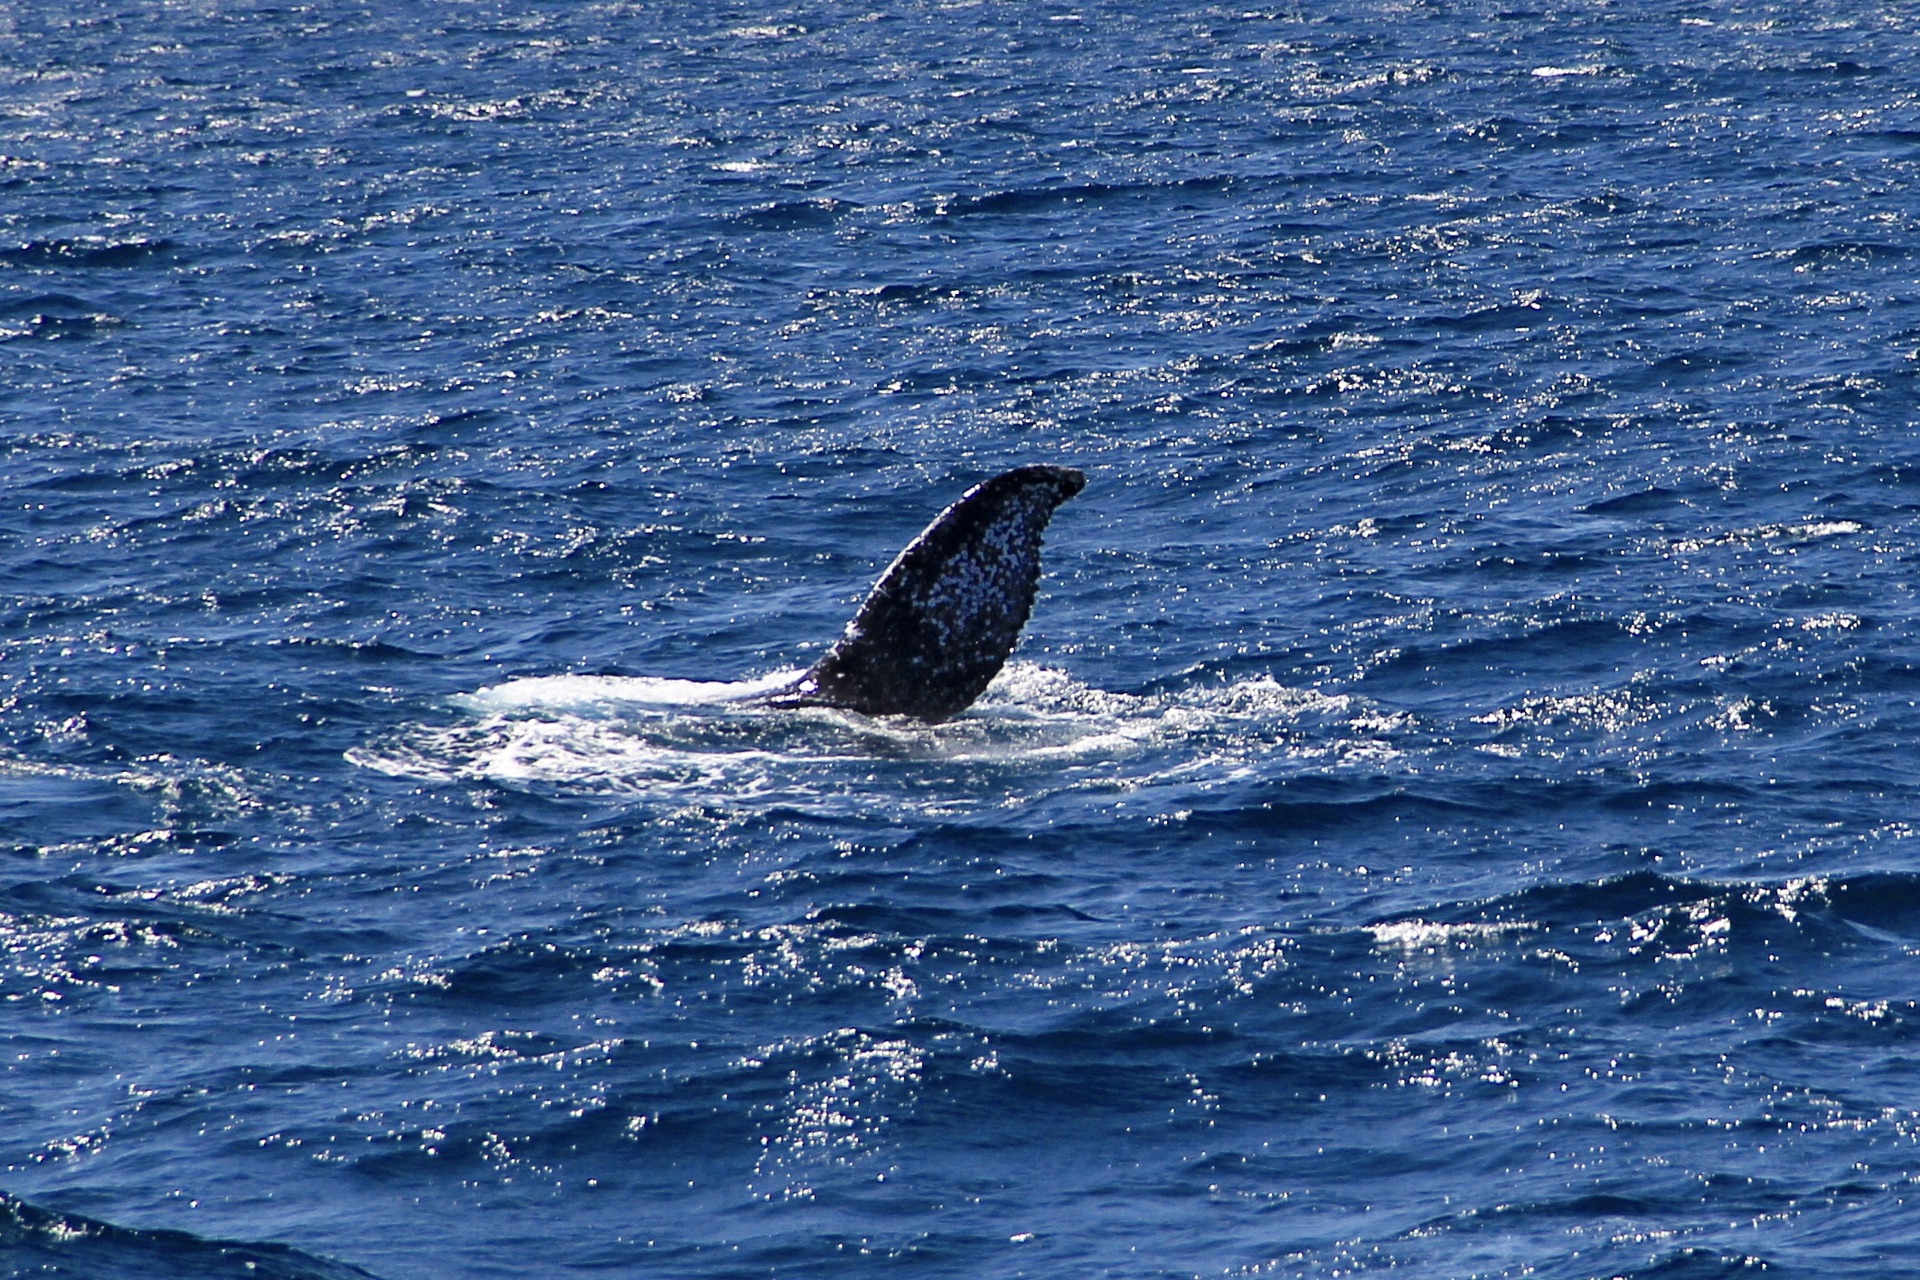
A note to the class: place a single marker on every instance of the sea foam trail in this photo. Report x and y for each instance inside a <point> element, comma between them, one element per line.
<point>1037,730</point>
<point>613,693</point>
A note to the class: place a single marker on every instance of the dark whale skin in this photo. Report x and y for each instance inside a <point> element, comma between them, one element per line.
<point>945,616</point>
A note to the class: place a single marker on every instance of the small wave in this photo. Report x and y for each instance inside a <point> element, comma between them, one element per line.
<point>86,251</point>
<point>1657,917</point>
<point>1639,502</point>
<point>37,1240</point>
<point>52,315</point>
<point>1424,935</point>
<point>767,31</point>
<point>1047,199</point>
<point>1801,534</point>
<point>788,215</point>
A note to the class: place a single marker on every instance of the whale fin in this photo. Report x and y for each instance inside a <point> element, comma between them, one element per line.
<point>940,623</point>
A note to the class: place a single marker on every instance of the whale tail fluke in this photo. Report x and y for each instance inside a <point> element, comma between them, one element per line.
<point>946,614</point>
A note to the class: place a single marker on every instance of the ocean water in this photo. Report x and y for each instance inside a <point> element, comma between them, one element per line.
<point>1452,812</point>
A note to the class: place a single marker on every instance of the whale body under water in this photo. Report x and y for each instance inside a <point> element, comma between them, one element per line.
<point>942,620</point>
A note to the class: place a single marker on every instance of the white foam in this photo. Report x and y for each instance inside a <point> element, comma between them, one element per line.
<point>1038,730</point>
<point>1423,935</point>
<point>613,693</point>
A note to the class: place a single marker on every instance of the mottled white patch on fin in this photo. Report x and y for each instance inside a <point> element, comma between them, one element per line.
<point>946,614</point>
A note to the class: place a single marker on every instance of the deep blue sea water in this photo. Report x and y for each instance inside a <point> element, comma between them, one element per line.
<point>1453,810</point>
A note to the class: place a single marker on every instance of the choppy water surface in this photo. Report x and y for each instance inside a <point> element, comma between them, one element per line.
<point>1452,808</point>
